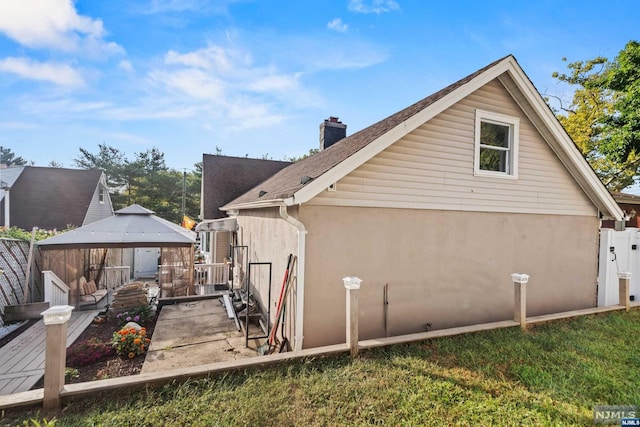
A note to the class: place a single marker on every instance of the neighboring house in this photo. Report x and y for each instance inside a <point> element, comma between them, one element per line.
<point>630,205</point>
<point>441,202</point>
<point>54,198</point>
<point>223,179</point>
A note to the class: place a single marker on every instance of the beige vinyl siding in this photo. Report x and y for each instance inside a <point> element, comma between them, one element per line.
<point>432,168</point>
<point>222,240</point>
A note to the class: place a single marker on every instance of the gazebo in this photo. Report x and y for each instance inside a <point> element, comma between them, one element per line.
<point>86,252</point>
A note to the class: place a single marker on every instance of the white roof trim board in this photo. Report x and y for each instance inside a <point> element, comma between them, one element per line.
<point>220,224</point>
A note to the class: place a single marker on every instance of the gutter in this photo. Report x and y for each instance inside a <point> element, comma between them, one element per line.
<point>254,205</point>
<point>302,233</point>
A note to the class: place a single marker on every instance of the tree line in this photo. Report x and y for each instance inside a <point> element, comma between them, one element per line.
<point>603,116</point>
<point>147,181</point>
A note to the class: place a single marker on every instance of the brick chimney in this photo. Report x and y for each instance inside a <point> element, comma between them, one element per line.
<point>332,130</point>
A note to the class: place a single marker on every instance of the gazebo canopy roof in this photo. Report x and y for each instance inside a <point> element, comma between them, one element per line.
<point>130,227</point>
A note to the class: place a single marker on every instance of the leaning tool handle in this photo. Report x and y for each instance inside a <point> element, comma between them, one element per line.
<point>272,335</point>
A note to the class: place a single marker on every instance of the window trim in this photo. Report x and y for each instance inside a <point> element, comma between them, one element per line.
<point>514,141</point>
<point>101,196</point>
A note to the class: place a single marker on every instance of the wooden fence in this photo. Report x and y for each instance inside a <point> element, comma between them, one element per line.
<point>13,263</point>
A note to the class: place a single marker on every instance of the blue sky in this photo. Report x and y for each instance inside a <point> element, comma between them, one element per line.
<point>258,77</point>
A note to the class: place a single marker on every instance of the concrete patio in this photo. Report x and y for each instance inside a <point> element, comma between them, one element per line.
<point>196,333</point>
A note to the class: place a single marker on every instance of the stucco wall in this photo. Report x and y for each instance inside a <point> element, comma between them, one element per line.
<point>270,239</point>
<point>445,268</point>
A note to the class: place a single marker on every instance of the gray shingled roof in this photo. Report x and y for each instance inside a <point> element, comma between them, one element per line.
<point>287,182</point>
<point>224,178</point>
<point>51,197</point>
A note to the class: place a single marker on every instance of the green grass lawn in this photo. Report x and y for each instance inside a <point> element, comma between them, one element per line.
<point>553,374</point>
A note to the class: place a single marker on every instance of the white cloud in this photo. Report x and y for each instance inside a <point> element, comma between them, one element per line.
<point>356,55</point>
<point>126,66</point>
<point>250,115</point>
<point>179,6</point>
<point>54,24</point>
<point>60,74</point>
<point>53,106</point>
<point>191,82</point>
<point>162,6</point>
<point>18,125</point>
<point>275,83</point>
<point>212,71</point>
<point>215,58</point>
<point>374,6</point>
<point>338,25</point>
<point>150,111</point>
<point>227,83</point>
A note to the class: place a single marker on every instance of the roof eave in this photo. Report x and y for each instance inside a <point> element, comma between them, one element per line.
<point>586,177</point>
<point>258,205</point>
<point>627,198</point>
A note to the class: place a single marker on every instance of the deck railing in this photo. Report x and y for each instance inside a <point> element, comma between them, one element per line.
<point>211,274</point>
<point>116,276</point>
<point>56,292</point>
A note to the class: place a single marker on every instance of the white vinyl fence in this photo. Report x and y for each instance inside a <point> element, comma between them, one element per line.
<point>56,292</point>
<point>619,252</point>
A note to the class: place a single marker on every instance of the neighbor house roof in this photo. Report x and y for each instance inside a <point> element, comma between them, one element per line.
<point>8,176</point>
<point>305,179</point>
<point>224,178</point>
<point>51,197</point>
<point>631,199</point>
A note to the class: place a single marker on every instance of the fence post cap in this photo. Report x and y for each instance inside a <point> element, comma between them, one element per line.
<point>57,314</point>
<point>624,275</point>
<point>520,278</point>
<point>352,282</point>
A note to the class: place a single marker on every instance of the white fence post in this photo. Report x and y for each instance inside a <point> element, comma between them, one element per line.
<point>520,298</point>
<point>55,319</point>
<point>352,285</point>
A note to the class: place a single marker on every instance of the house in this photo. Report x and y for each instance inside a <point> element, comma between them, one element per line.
<point>53,198</point>
<point>630,205</point>
<point>224,178</point>
<point>439,203</point>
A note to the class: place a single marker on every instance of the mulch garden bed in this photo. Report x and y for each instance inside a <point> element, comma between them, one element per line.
<point>111,366</point>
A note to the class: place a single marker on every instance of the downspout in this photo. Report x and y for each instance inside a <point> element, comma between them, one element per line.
<point>302,233</point>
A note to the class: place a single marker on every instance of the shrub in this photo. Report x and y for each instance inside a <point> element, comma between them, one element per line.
<point>71,374</point>
<point>86,352</point>
<point>129,342</point>
<point>141,315</point>
<point>20,234</point>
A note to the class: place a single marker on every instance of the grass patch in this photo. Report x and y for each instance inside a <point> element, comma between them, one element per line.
<point>553,374</point>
